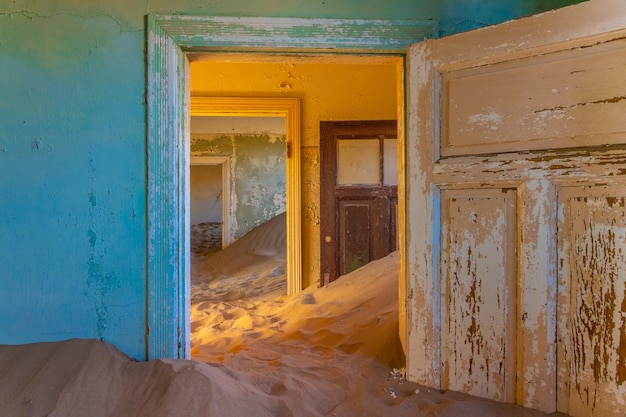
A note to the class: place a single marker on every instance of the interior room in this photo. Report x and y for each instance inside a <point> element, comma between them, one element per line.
<point>157,262</point>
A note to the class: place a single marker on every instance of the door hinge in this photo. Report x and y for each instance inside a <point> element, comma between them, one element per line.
<point>288,149</point>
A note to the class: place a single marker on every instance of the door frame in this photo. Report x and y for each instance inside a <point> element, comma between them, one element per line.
<point>332,194</point>
<point>224,163</point>
<point>289,109</point>
<point>169,39</point>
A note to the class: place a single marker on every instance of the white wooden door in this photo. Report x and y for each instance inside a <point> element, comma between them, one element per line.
<point>516,238</point>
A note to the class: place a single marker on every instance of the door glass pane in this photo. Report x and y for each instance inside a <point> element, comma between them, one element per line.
<point>358,162</point>
<point>390,162</point>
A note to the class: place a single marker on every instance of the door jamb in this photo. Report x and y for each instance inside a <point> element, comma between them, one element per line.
<point>169,39</point>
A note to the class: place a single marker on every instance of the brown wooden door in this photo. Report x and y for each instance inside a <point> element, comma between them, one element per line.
<point>358,193</point>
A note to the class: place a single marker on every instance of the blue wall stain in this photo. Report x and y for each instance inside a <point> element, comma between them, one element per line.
<point>462,15</point>
<point>74,252</point>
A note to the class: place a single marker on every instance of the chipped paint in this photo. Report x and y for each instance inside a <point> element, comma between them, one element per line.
<point>476,264</point>
<point>422,309</point>
<point>490,120</point>
<point>592,260</point>
<point>518,120</point>
<point>258,173</point>
<point>512,106</point>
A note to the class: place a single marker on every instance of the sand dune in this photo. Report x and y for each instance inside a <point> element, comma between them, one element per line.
<point>331,351</point>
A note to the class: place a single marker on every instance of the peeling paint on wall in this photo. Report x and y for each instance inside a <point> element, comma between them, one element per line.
<point>258,175</point>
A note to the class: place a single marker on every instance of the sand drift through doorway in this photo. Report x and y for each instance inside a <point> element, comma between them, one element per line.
<point>169,40</point>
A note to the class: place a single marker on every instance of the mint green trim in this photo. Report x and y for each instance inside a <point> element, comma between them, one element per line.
<point>169,38</point>
<point>254,33</point>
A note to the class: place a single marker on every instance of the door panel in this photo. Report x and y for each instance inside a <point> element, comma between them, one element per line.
<point>358,194</point>
<point>354,234</point>
<point>592,301</point>
<point>478,269</point>
<point>533,110</point>
<point>504,106</point>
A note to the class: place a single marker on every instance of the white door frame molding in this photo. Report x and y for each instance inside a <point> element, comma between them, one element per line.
<point>289,109</point>
<point>224,163</point>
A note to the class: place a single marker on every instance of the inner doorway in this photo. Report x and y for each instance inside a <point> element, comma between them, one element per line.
<point>171,42</point>
<point>358,195</point>
<point>285,109</point>
<point>210,225</point>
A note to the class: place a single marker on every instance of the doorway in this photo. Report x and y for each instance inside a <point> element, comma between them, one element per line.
<point>278,109</point>
<point>209,178</point>
<point>237,184</point>
<point>170,41</point>
<point>358,193</point>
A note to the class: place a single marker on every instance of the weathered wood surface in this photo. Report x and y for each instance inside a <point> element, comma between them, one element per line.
<point>478,292</point>
<point>537,102</point>
<point>592,301</point>
<point>255,33</point>
<point>473,137</point>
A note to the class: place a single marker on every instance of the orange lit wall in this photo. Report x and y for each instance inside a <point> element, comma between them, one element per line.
<point>329,88</point>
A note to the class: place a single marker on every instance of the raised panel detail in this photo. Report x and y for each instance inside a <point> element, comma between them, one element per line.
<point>592,301</point>
<point>571,98</point>
<point>478,292</point>
<point>354,234</point>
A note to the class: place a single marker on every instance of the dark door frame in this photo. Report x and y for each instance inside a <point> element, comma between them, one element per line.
<point>332,196</point>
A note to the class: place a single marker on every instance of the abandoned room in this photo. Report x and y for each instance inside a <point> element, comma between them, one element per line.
<point>287,208</point>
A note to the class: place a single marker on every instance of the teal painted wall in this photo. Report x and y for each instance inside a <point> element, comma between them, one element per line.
<point>72,151</point>
<point>463,15</point>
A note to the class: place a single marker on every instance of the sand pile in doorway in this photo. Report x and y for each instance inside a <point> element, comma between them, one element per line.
<point>252,266</point>
<point>325,352</point>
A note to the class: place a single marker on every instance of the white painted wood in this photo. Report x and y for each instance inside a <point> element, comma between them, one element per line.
<point>592,301</point>
<point>537,102</point>
<point>571,27</point>
<point>536,294</point>
<point>534,173</point>
<point>478,262</point>
<point>423,298</point>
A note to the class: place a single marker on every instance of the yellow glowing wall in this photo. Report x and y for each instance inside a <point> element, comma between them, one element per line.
<point>355,88</point>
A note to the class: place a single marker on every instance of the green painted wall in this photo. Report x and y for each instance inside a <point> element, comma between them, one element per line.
<point>258,175</point>
<point>73,146</point>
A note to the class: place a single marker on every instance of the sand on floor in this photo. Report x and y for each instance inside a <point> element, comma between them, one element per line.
<point>330,351</point>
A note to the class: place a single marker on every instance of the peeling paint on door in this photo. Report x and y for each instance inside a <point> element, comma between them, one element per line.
<point>533,108</point>
<point>478,261</point>
<point>592,286</point>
